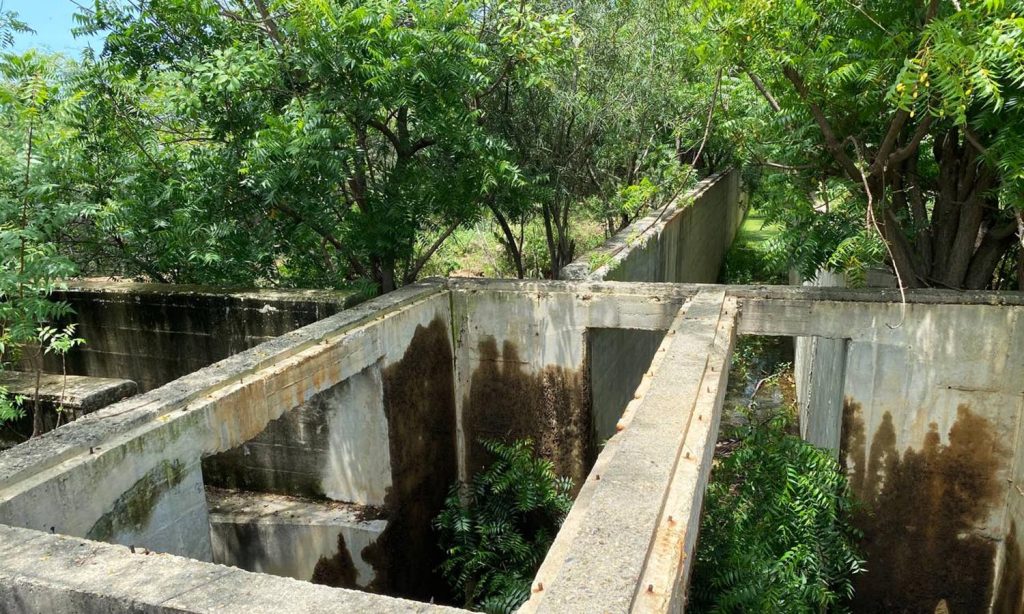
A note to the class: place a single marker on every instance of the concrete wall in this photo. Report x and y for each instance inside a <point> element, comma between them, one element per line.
<point>932,405</point>
<point>42,573</point>
<point>685,243</point>
<point>154,333</point>
<point>931,410</point>
<point>819,366</point>
<point>131,473</point>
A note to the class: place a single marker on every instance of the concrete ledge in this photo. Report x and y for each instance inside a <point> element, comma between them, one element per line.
<point>640,472</point>
<point>42,573</point>
<point>123,287</point>
<point>319,541</point>
<point>76,393</point>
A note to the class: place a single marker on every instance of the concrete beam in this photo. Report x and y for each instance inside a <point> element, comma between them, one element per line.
<point>646,458</point>
<point>42,573</point>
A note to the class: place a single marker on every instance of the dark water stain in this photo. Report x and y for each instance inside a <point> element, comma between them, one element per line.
<point>920,513</point>
<point>1009,597</point>
<point>134,508</point>
<point>852,446</point>
<point>338,571</point>
<point>507,402</point>
<point>419,402</point>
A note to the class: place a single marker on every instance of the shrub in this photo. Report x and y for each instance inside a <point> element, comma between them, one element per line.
<point>775,534</point>
<point>496,530</point>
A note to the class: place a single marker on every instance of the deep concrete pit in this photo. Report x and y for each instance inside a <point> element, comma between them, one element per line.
<point>405,384</point>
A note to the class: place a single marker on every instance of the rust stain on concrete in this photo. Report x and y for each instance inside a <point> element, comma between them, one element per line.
<point>920,514</point>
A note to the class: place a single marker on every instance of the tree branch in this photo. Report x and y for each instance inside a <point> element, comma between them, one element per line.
<point>895,126</point>
<point>381,127</point>
<point>908,150</point>
<point>425,256</point>
<point>328,236</point>
<point>831,141</point>
<point>764,91</point>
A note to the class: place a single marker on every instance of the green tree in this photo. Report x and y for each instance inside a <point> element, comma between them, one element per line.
<point>909,110</point>
<point>300,142</point>
<point>626,103</point>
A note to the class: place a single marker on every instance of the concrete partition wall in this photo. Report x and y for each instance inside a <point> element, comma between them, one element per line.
<point>154,333</point>
<point>131,474</point>
<point>523,368</point>
<point>929,438</point>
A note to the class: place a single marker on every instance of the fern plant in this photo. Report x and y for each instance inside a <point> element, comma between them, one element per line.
<point>776,533</point>
<point>496,530</point>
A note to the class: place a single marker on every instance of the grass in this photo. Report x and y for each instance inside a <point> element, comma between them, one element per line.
<point>749,260</point>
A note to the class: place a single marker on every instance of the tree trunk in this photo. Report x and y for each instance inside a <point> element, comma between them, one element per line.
<point>512,247</point>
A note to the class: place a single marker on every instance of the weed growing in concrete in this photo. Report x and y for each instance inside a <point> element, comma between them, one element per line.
<point>496,530</point>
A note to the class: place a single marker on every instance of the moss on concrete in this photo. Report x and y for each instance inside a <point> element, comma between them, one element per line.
<point>134,508</point>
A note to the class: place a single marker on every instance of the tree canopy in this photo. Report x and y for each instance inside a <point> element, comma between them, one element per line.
<point>906,111</point>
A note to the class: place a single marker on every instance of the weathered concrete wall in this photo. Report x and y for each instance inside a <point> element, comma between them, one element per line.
<point>522,372</point>
<point>685,243</point>
<point>333,446</point>
<point>931,411</point>
<point>154,333</point>
<point>523,366</point>
<point>130,473</point>
<point>932,404</point>
<point>931,448</point>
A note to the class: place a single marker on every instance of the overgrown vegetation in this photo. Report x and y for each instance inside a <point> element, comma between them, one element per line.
<point>34,146</point>
<point>775,535</point>
<point>496,530</point>
<point>754,256</point>
<point>900,119</point>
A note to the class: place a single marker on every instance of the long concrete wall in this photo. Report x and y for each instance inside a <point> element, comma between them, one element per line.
<point>684,243</point>
<point>154,333</point>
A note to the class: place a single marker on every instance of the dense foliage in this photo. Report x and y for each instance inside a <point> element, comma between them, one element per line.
<point>329,142</point>
<point>496,530</point>
<point>775,535</point>
<point>900,119</point>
